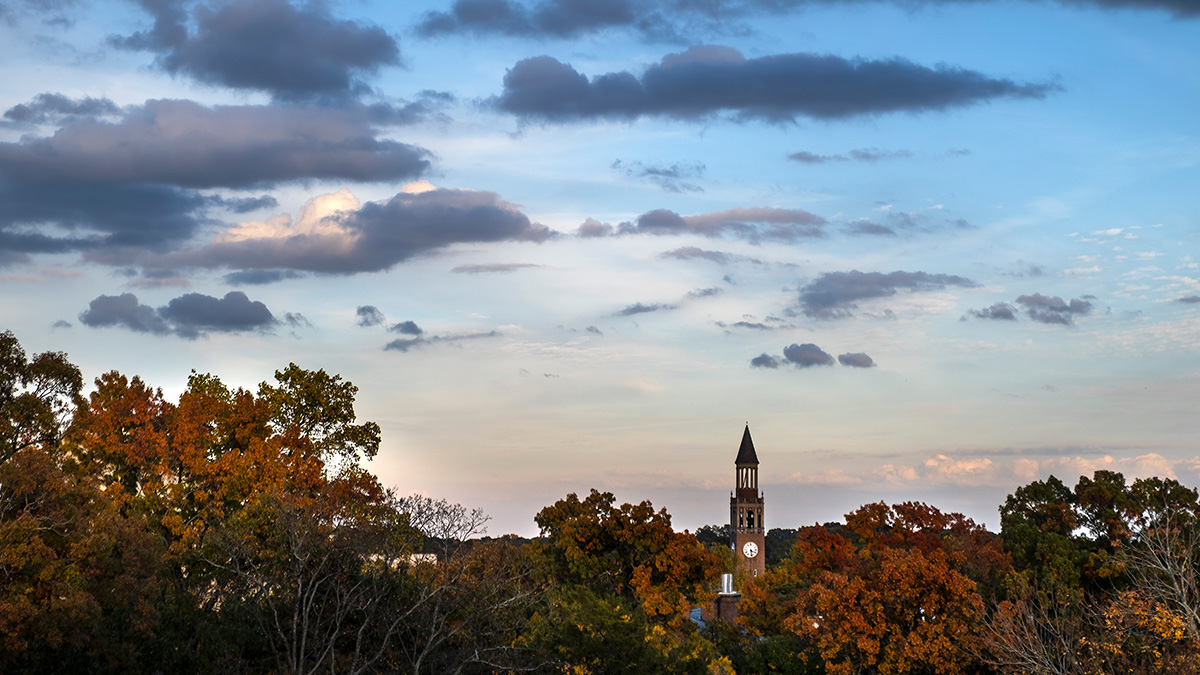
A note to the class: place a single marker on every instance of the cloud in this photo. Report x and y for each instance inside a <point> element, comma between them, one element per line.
<point>502,268</point>
<point>639,308</point>
<point>1189,299</point>
<point>805,157</point>
<point>124,311</point>
<point>248,204</point>
<point>189,316</point>
<point>834,294</point>
<point>593,228</point>
<point>705,292</point>
<point>856,360</point>
<point>406,328</point>
<point>693,252</point>
<point>751,224</point>
<point>1001,311</point>
<point>707,80</point>
<point>671,178</point>
<point>118,190</point>
<point>259,277</point>
<point>290,51</point>
<point>334,234</point>
<point>764,360</point>
<point>573,18</point>
<point>558,18</point>
<point>807,355</point>
<point>404,345</point>
<point>369,315</point>
<point>1053,310</point>
<point>752,325</point>
<point>193,314</point>
<point>875,154</point>
<point>594,330</point>
<point>93,218</point>
<point>54,108</point>
<point>649,18</point>
<point>296,320</point>
<point>186,144</point>
<point>861,154</point>
<point>866,227</point>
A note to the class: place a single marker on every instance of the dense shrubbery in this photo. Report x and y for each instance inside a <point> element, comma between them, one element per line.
<point>240,532</point>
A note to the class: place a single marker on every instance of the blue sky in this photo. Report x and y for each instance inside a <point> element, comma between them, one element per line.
<point>928,250</point>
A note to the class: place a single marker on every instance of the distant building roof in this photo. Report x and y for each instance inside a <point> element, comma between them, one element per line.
<point>746,454</point>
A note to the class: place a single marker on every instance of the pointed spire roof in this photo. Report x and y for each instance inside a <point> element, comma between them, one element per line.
<point>746,454</point>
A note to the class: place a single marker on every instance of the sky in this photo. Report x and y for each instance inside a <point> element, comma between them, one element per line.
<point>929,250</point>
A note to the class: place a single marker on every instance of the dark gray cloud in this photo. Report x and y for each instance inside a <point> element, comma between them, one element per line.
<point>860,154</point>
<point>640,308</point>
<point>266,45</point>
<point>249,204</point>
<point>189,316</point>
<point>670,177</point>
<point>369,315</point>
<point>123,311</point>
<point>1001,311</point>
<point>1190,299</point>
<point>595,330</point>
<point>572,18</point>
<point>119,190</point>
<point>60,324</point>
<point>296,320</point>
<point>707,80</point>
<point>834,294</point>
<point>53,108</point>
<point>764,360</point>
<point>376,236</point>
<point>108,222</point>
<point>752,325</point>
<point>856,360</point>
<point>406,344</point>
<point>751,224</point>
<point>705,292</point>
<point>557,18</point>
<point>186,144</point>
<point>406,328</point>
<point>1053,309</point>
<point>806,355</point>
<point>259,277</point>
<point>193,314</point>
<point>501,268</point>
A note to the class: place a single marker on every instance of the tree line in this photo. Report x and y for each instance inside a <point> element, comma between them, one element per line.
<point>237,531</point>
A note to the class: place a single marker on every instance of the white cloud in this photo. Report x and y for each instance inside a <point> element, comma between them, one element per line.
<point>317,217</point>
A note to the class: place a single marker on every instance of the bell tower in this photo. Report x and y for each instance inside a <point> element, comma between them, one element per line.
<point>746,511</point>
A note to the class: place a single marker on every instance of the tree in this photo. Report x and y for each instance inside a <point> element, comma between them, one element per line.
<point>621,574</point>
<point>36,397</point>
<point>888,592</point>
<point>79,583</point>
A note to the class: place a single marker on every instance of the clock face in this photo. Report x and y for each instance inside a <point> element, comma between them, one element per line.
<point>750,549</point>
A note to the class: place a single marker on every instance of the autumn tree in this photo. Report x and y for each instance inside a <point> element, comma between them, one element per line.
<point>78,581</point>
<point>896,589</point>
<point>626,568</point>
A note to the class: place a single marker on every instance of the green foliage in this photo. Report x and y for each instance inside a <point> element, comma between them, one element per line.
<point>36,397</point>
